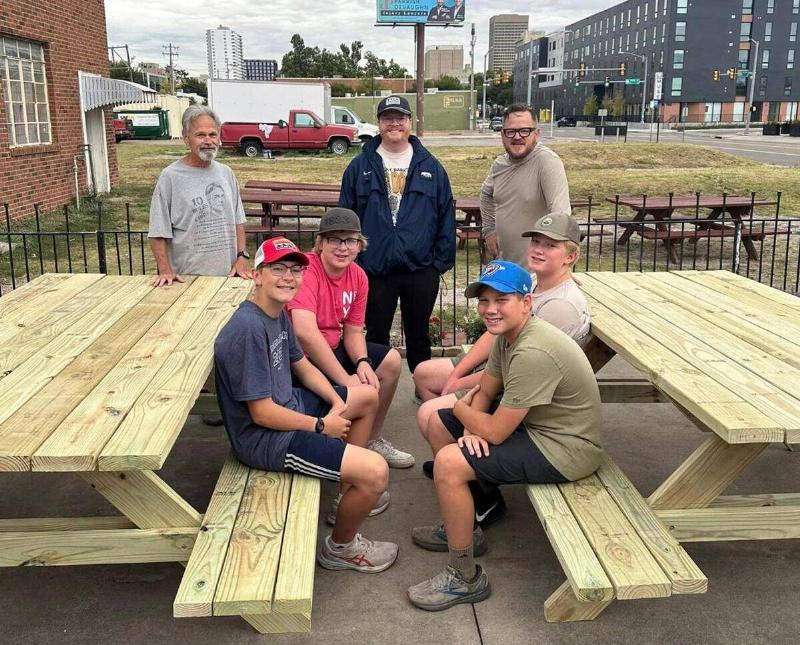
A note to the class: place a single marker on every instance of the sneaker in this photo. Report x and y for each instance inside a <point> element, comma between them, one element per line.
<point>361,555</point>
<point>448,589</point>
<point>214,420</point>
<point>497,508</point>
<point>380,506</point>
<point>427,469</point>
<point>394,457</point>
<point>434,538</point>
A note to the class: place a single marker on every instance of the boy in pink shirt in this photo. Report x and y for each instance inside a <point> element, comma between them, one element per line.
<point>328,315</point>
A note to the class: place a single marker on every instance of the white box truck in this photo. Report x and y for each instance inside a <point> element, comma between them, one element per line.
<point>271,101</point>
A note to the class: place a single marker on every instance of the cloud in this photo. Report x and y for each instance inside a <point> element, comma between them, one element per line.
<point>146,26</point>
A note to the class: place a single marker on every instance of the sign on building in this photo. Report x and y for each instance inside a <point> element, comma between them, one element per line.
<point>658,86</point>
<point>427,11</point>
<point>453,102</point>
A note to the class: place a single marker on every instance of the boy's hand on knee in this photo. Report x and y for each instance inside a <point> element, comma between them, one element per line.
<point>475,445</point>
<point>336,425</point>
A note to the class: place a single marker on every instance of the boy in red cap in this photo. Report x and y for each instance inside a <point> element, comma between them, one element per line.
<point>274,426</point>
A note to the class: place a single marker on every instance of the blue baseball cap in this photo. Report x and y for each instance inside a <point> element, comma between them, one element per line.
<point>505,277</point>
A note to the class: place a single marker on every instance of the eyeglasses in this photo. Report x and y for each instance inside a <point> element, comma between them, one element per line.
<point>524,133</point>
<point>392,119</point>
<point>349,242</point>
<point>278,269</point>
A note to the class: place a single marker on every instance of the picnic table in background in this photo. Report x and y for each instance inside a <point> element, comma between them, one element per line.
<point>99,375</point>
<point>661,209</point>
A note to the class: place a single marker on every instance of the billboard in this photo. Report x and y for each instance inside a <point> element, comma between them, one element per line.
<point>428,11</point>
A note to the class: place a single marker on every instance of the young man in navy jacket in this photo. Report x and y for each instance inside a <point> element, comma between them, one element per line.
<point>402,196</point>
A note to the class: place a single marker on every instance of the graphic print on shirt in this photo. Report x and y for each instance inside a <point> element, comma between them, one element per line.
<point>209,233</point>
<point>276,349</point>
<point>347,301</point>
<point>395,185</point>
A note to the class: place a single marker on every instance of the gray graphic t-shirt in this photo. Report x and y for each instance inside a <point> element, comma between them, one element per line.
<point>395,170</point>
<point>197,210</point>
<point>252,357</point>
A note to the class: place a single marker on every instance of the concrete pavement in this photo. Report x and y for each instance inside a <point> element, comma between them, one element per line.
<point>752,595</point>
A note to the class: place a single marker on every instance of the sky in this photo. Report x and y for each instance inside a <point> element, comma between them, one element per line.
<point>146,26</point>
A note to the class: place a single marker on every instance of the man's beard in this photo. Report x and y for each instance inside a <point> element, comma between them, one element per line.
<point>208,154</point>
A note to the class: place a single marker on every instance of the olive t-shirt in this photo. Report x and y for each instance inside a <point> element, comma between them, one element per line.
<point>546,371</point>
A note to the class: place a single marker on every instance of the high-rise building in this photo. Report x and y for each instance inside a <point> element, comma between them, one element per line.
<point>444,60</point>
<point>260,69</point>
<point>504,32</point>
<point>224,48</point>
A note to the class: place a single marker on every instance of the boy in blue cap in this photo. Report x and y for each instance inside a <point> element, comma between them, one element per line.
<point>544,429</point>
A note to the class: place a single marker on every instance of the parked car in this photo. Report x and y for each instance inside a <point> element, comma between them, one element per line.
<point>566,122</point>
<point>123,129</point>
<point>482,124</point>
<point>496,123</point>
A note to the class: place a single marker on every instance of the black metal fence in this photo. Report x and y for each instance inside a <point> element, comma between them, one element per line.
<point>762,245</point>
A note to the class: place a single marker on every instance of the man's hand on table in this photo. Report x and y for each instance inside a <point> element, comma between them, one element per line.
<point>166,278</point>
<point>241,268</point>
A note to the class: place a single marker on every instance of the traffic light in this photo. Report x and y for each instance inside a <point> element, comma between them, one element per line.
<point>497,78</point>
<point>622,69</point>
<point>577,82</point>
<point>582,70</point>
<point>731,73</point>
<point>608,81</point>
<point>506,77</point>
<point>715,75</point>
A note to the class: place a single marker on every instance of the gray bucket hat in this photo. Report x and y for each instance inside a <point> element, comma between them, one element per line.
<point>339,219</point>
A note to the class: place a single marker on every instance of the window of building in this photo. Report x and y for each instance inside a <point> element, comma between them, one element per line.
<point>638,14</point>
<point>787,86</point>
<point>767,32</point>
<point>677,59</point>
<point>24,82</point>
<point>628,40</point>
<point>747,7</point>
<point>795,6</point>
<point>744,59</point>
<point>614,22</point>
<point>793,32</point>
<point>629,17</point>
<point>770,6</point>
<point>677,84</point>
<point>790,59</point>
<point>663,31</point>
<point>762,85</point>
<point>738,111</point>
<point>636,40</point>
<point>680,32</point>
<point>681,6</point>
<point>645,12</point>
<point>765,59</point>
<point>744,32</point>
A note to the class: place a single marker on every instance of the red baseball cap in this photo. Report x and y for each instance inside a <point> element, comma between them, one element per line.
<point>278,248</point>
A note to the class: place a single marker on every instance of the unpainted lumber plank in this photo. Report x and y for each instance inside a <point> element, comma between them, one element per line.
<point>19,297</point>
<point>562,606</point>
<point>280,623</point>
<point>685,576</point>
<point>247,582</point>
<point>585,574</point>
<point>108,546</point>
<point>728,524</point>
<point>705,474</point>
<point>66,523</point>
<point>627,562</point>
<point>145,437</point>
<point>624,392</point>
<point>195,595</point>
<point>294,589</point>
<point>82,435</point>
<point>742,282</point>
<point>753,501</point>
<point>144,498</point>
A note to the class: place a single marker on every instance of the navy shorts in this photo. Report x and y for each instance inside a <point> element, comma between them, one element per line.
<point>515,461</point>
<point>309,453</point>
<point>375,351</point>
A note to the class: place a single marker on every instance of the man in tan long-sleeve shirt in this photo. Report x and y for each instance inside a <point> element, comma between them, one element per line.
<point>524,184</point>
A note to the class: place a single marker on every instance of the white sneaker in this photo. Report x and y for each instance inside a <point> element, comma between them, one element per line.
<point>361,555</point>
<point>380,506</point>
<point>394,457</point>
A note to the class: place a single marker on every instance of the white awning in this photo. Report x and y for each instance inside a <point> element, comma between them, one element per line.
<point>99,91</point>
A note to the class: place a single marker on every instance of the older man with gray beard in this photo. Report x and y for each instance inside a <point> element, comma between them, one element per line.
<point>196,214</point>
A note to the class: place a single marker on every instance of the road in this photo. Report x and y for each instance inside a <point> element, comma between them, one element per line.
<point>778,151</point>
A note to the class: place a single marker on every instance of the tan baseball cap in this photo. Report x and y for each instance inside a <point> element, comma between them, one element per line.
<point>557,226</point>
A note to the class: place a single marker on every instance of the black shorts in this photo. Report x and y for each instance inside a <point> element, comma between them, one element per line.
<point>309,453</point>
<point>375,352</point>
<point>515,461</point>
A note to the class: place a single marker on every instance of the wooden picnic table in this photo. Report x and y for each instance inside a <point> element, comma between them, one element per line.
<point>725,350</point>
<point>661,209</point>
<point>99,375</point>
<point>290,185</point>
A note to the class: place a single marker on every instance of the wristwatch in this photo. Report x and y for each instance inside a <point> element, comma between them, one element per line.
<point>243,254</point>
<point>364,359</point>
<point>320,425</point>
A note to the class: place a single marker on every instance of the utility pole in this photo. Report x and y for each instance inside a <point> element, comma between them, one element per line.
<point>752,80</point>
<point>113,52</point>
<point>171,51</point>
<point>419,28</point>
<point>472,80</point>
<point>485,83</point>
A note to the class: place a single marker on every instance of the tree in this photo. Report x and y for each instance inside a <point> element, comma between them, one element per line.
<point>312,62</point>
<point>590,106</point>
<point>195,86</point>
<point>340,89</point>
<point>447,83</point>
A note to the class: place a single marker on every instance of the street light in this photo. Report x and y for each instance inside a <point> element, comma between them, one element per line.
<point>752,85</point>
<point>644,89</point>
<point>485,83</point>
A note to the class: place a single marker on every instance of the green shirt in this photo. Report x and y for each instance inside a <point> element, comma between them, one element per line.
<point>546,371</point>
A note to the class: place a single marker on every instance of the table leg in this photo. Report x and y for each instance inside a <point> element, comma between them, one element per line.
<point>630,228</point>
<point>598,353</point>
<point>562,606</point>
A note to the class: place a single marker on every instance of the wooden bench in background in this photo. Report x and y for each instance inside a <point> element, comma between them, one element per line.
<point>610,544</point>
<point>255,553</point>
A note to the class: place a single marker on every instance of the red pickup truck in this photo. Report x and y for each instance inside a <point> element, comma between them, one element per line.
<point>304,131</point>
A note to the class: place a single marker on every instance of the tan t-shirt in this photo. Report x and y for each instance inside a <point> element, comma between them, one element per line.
<point>565,307</point>
<point>545,370</point>
<point>517,194</point>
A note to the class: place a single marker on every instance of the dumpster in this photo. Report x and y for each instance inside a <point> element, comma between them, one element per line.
<point>147,124</point>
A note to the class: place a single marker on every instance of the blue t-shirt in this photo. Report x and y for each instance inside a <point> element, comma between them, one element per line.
<point>252,356</point>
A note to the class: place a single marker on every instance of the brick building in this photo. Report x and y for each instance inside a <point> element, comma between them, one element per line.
<point>55,103</point>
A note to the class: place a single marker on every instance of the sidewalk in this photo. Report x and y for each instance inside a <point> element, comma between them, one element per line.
<point>752,595</point>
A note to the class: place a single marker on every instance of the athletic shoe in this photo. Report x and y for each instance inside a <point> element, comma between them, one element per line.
<point>394,457</point>
<point>434,538</point>
<point>496,509</point>
<point>214,420</point>
<point>380,506</point>
<point>448,589</point>
<point>361,555</point>
<point>427,469</point>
